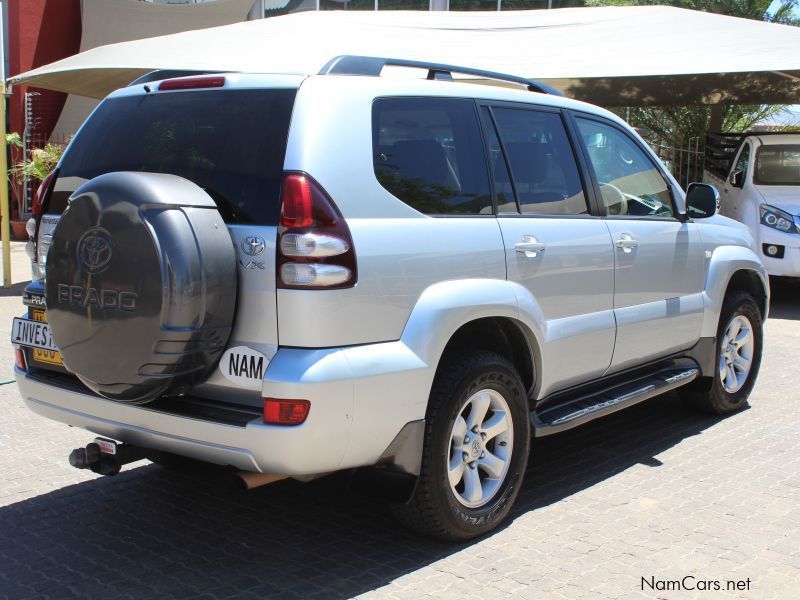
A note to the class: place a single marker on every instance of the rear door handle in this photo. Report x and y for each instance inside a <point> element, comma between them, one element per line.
<point>529,246</point>
<point>626,243</point>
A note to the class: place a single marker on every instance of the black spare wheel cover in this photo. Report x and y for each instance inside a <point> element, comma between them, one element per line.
<point>141,285</point>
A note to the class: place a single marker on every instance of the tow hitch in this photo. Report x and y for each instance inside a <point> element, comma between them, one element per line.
<point>104,456</point>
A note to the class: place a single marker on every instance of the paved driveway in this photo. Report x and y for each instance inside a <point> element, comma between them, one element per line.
<point>655,492</point>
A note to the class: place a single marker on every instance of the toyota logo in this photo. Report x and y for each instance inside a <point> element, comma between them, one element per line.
<point>253,245</point>
<point>94,250</point>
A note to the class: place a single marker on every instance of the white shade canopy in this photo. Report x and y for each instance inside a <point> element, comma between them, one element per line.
<point>623,56</point>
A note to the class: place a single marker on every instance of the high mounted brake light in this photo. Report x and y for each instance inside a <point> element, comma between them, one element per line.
<point>191,83</point>
<point>315,248</point>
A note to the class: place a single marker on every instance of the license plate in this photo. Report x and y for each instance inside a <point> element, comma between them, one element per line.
<point>52,357</point>
<point>35,333</point>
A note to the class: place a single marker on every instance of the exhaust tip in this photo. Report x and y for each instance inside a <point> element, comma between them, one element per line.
<point>248,480</point>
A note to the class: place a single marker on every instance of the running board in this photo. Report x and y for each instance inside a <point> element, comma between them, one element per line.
<point>584,405</point>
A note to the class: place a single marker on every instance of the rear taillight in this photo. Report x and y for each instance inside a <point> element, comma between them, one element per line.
<point>315,248</point>
<point>191,83</point>
<point>40,199</point>
<point>19,359</point>
<point>285,412</point>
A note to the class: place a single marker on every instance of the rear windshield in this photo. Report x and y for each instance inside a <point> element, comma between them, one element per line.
<point>778,165</point>
<point>231,143</point>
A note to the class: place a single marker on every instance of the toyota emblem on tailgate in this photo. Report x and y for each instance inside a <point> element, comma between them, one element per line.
<point>253,245</point>
<point>94,250</point>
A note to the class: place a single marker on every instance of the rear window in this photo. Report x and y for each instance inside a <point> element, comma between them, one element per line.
<point>428,152</point>
<point>231,143</point>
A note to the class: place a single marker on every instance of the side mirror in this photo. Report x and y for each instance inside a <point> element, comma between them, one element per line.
<point>737,178</point>
<point>702,200</point>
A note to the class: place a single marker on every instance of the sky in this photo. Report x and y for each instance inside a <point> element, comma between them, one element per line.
<point>776,4</point>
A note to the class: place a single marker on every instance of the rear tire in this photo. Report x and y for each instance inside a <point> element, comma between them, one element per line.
<point>740,341</point>
<point>466,487</point>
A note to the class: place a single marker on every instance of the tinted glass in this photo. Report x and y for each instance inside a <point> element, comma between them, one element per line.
<point>231,143</point>
<point>629,181</point>
<point>744,159</point>
<point>428,152</point>
<point>778,165</point>
<point>542,163</point>
<point>502,181</point>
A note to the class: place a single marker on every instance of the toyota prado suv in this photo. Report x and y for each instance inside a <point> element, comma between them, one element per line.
<point>409,279</point>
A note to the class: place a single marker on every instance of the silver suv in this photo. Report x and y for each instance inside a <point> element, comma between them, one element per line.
<point>407,278</point>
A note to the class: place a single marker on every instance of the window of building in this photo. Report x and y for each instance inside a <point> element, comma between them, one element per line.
<point>473,5</point>
<point>347,4</point>
<point>543,165</point>
<point>276,8</point>
<point>428,152</point>
<point>537,4</point>
<point>403,4</point>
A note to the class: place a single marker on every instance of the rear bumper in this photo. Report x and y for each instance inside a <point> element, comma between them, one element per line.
<point>360,397</point>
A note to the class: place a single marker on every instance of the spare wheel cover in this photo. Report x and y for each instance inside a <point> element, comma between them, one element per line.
<point>141,285</point>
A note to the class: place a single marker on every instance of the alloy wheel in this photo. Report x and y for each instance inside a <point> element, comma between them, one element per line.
<point>736,354</point>
<point>481,443</point>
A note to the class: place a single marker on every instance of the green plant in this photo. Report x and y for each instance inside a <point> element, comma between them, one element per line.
<point>41,163</point>
<point>13,139</point>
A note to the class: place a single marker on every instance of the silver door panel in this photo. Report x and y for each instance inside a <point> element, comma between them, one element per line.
<point>658,285</point>
<point>657,329</point>
<point>569,277</point>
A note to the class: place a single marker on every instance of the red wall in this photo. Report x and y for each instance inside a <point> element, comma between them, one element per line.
<point>39,32</point>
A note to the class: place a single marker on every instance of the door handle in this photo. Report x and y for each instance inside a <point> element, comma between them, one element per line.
<point>529,246</point>
<point>626,243</point>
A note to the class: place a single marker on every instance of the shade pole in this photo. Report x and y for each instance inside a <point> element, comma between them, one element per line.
<point>5,209</point>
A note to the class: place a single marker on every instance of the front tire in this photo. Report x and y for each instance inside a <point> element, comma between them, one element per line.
<point>740,340</point>
<point>477,439</point>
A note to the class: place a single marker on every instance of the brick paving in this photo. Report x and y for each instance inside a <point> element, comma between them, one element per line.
<point>655,491</point>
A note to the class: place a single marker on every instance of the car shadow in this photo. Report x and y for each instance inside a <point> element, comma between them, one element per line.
<point>149,532</point>
<point>784,298</point>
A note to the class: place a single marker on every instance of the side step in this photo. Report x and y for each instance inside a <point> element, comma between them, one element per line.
<point>568,410</point>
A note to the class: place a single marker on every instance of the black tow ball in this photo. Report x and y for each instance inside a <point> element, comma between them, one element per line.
<point>105,457</point>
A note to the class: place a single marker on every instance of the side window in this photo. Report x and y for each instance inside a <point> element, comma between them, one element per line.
<point>744,159</point>
<point>542,163</point>
<point>502,180</point>
<point>428,152</point>
<point>630,182</point>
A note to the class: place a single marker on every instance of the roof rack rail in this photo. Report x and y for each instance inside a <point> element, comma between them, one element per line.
<point>373,65</point>
<point>159,74</point>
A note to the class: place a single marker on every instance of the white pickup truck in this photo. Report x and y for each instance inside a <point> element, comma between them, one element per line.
<point>758,177</point>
